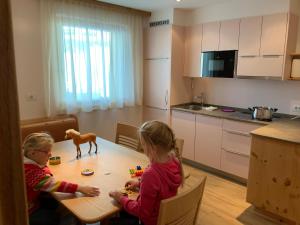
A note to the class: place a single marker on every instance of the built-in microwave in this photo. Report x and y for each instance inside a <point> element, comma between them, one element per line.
<point>218,64</point>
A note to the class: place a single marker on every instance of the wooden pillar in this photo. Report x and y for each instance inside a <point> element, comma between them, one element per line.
<point>12,195</point>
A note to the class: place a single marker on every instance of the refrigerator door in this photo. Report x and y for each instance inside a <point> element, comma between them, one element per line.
<point>157,76</point>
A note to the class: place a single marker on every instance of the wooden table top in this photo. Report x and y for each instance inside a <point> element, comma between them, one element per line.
<point>111,166</point>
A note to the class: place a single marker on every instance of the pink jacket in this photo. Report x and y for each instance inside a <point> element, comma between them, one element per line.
<point>159,181</point>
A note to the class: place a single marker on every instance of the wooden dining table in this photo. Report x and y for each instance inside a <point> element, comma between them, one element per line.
<point>111,171</point>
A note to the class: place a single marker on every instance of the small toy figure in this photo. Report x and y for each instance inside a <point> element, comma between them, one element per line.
<point>136,172</point>
<point>80,139</point>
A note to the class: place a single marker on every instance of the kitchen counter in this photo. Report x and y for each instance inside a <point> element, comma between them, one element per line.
<point>281,127</point>
<point>285,130</point>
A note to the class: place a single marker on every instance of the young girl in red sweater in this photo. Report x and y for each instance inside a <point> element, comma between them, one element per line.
<point>42,211</point>
<point>159,181</point>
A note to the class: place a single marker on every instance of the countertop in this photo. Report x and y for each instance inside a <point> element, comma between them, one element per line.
<point>281,127</point>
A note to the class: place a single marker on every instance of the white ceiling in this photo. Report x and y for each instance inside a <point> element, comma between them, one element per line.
<point>152,5</point>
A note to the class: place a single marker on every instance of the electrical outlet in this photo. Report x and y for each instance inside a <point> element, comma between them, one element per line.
<point>295,107</point>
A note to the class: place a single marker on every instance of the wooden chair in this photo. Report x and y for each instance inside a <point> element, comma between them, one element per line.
<point>127,135</point>
<point>179,144</point>
<point>183,208</point>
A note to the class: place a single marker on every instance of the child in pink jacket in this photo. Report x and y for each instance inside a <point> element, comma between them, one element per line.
<point>159,181</point>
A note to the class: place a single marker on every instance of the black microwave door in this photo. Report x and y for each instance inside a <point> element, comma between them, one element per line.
<point>218,64</point>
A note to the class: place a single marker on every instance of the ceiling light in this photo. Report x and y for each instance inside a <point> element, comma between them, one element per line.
<point>178,0</point>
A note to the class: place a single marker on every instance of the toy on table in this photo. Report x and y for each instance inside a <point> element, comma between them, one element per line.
<point>136,172</point>
<point>80,139</point>
<point>87,172</point>
<point>55,160</point>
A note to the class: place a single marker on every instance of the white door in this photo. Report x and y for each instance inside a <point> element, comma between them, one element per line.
<point>157,83</point>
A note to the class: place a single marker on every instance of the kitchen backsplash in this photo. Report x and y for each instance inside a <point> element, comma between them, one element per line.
<point>243,93</point>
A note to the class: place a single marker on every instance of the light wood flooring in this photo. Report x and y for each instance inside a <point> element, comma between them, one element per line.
<point>224,203</point>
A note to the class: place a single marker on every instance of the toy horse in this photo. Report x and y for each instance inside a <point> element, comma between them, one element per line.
<point>80,139</point>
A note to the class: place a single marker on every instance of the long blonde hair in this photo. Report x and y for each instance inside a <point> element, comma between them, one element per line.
<point>159,134</point>
<point>36,141</point>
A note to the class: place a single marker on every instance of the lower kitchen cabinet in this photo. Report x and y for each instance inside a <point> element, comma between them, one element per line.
<point>208,140</point>
<point>183,125</point>
<point>236,142</point>
<point>215,142</point>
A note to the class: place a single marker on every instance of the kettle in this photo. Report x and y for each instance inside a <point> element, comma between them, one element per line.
<point>262,113</point>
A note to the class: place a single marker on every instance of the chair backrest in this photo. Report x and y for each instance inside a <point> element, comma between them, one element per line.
<point>183,208</point>
<point>179,144</point>
<point>127,135</point>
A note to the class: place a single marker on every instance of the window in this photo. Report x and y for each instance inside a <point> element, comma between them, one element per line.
<point>87,62</point>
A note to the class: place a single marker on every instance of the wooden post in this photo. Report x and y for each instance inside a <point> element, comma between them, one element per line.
<point>12,195</point>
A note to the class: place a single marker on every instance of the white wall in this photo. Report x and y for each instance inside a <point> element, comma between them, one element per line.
<point>28,54</point>
<point>244,92</point>
<point>232,9</point>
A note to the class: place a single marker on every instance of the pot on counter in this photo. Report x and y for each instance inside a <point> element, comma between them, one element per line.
<point>262,113</point>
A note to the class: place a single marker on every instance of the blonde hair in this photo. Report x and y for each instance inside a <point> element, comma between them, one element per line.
<point>156,133</point>
<point>37,141</point>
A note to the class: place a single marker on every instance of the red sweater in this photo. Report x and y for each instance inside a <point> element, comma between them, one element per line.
<point>159,181</point>
<point>39,179</point>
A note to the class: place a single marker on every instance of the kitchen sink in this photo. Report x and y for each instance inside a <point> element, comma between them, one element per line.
<point>192,107</point>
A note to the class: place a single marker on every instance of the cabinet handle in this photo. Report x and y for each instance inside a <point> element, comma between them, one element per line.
<point>271,56</point>
<point>166,99</point>
<point>237,153</point>
<point>237,133</point>
<point>248,56</point>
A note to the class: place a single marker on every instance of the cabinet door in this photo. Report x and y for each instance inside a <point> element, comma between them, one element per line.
<point>157,42</point>
<point>183,124</point>
<point>208,141</point>
<point>157,83</point>
<point>236,142</point>
<point>210,38</point>
<point>229,35</point>
<point>273,37</point>
<point>192,53</point>
<point>250,33</point>
<point>260,66</point>
<point>249,66</point>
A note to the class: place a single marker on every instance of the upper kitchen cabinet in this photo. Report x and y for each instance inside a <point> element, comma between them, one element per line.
<point>210,36</point>
<point>229,35</point>
<point>273,35</point>
<point>157,42</point>
<point>192,51</point>
<point>265,44</point>
<point>250,33</point>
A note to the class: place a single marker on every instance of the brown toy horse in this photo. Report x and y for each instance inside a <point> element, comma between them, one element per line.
<point>80,139</point>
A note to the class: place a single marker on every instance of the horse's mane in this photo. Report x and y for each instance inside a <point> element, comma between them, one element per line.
<point>72,131</point>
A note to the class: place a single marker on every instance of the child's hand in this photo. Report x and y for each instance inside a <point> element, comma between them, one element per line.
<point>116,195</point>
<point>88,190</point>
<point>132,185</point>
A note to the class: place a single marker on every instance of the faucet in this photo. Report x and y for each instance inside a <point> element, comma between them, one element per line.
<point>199,99</point>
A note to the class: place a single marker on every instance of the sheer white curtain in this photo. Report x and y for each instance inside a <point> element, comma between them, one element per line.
<point>92,57</point>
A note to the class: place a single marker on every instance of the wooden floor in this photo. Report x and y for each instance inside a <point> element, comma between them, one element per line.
<point>224,203</point>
